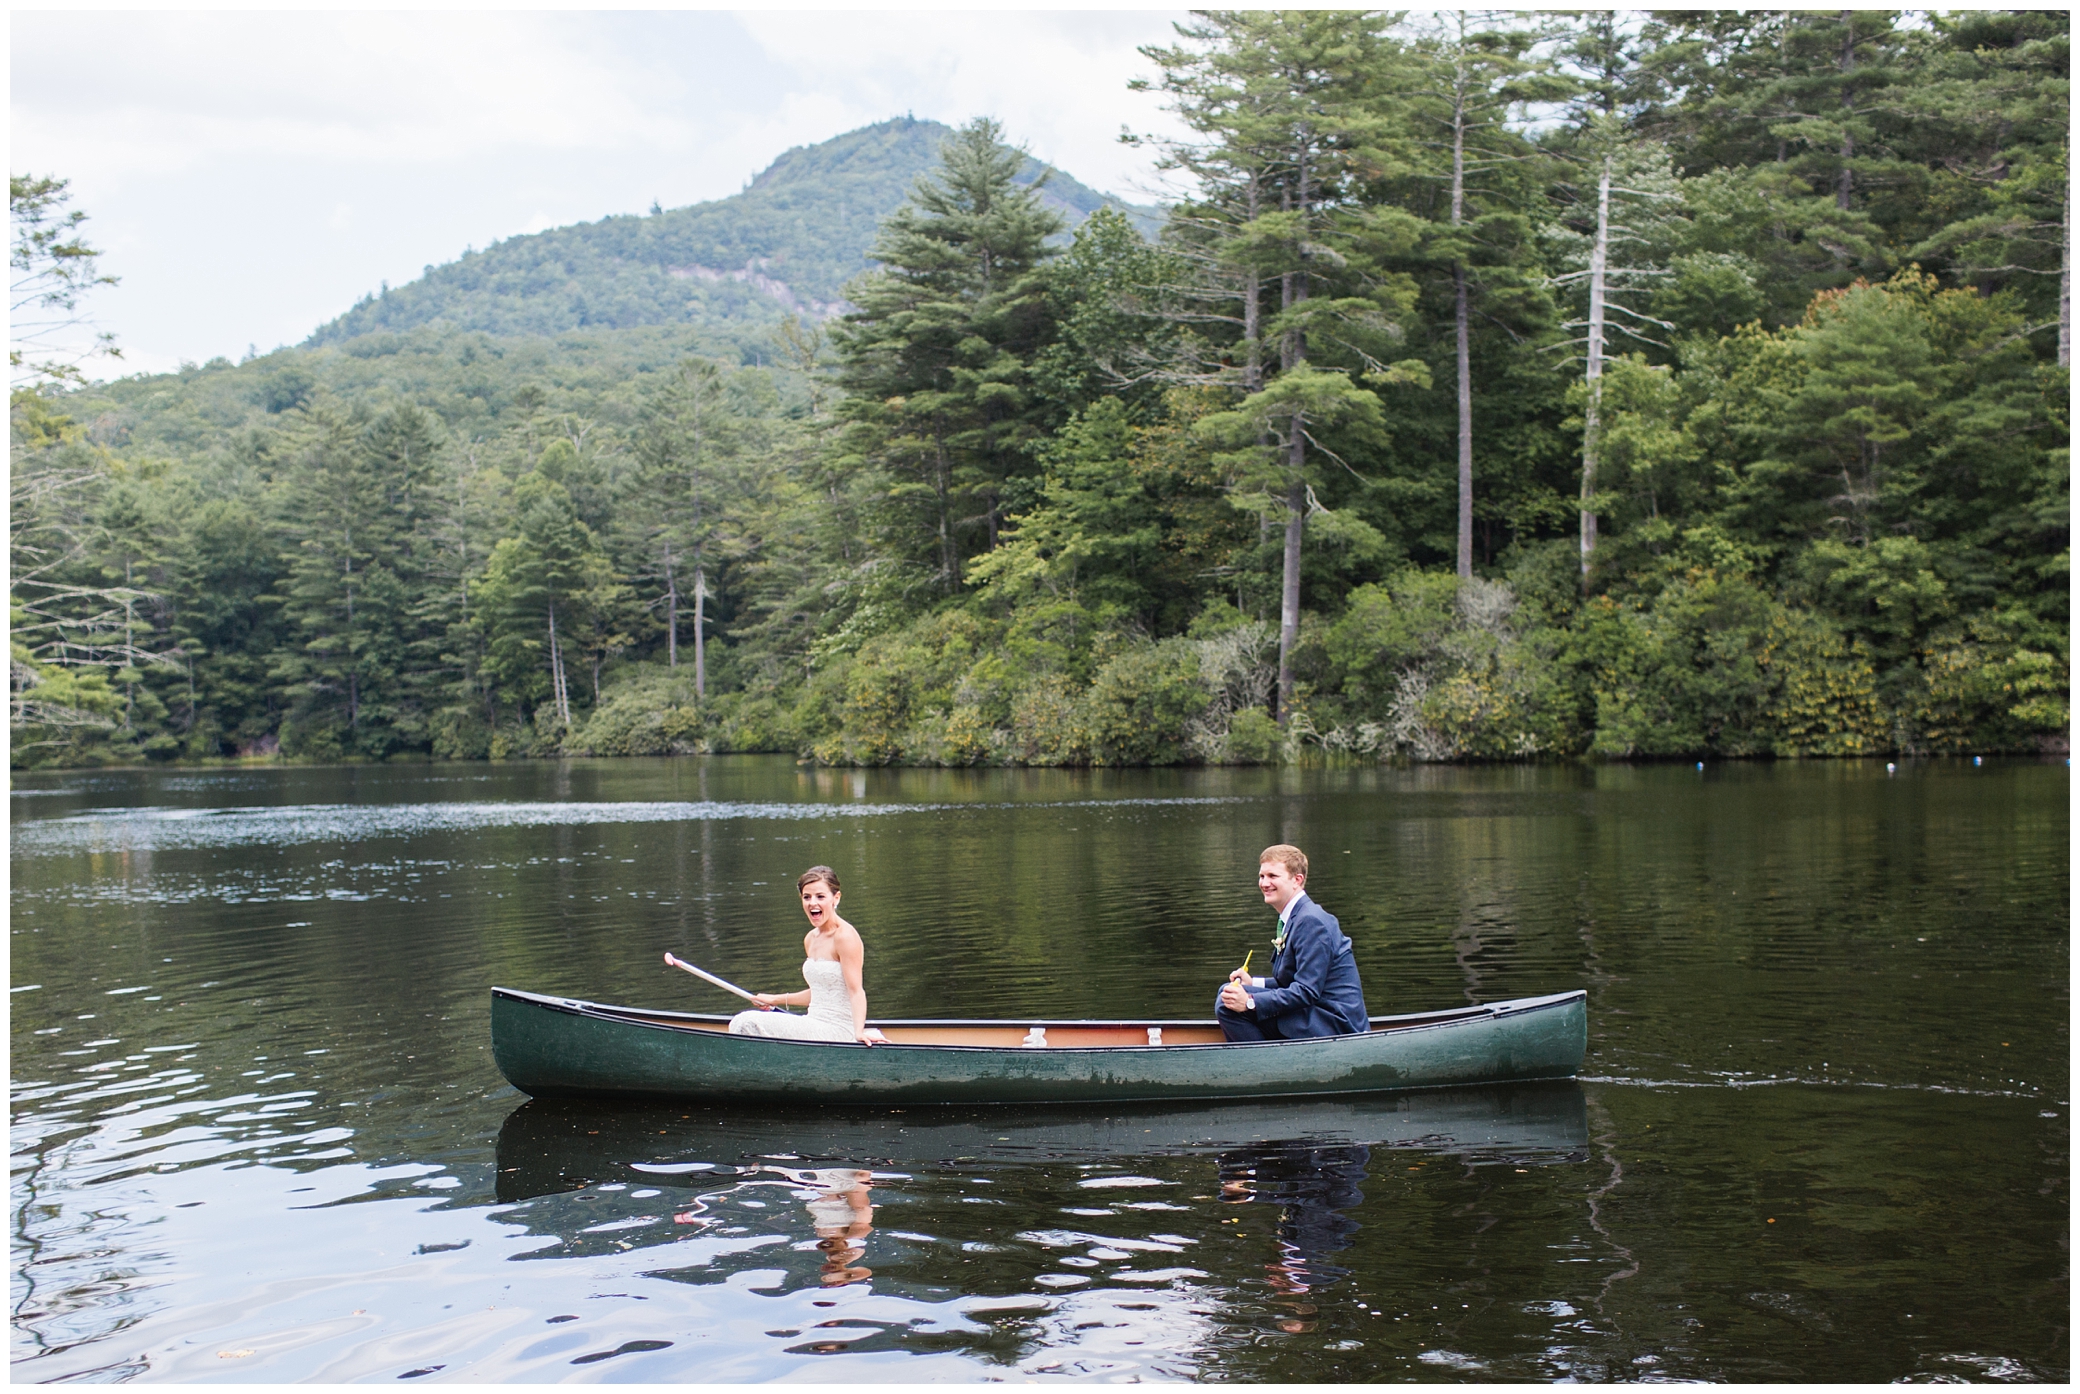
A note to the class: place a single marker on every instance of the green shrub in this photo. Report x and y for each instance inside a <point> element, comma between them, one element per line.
<point>1825,697</point>
<point>1141,702</point>
<point>628,723</point>
<point>461,734</point>
<point>645,709</point>
<point>895,679</point>
<point>1253,738</point>
<point>1984,691</point>
<point>748,724</point>
<point>78,710</point>
<point>1427,666</point>
<point>1387,630</point>
<point>1684,675</point>
<point>1047,724</point>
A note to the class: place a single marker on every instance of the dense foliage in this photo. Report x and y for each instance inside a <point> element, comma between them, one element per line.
<point>1322,470</point>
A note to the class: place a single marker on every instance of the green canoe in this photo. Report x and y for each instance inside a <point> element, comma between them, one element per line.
<point>558,1046</point>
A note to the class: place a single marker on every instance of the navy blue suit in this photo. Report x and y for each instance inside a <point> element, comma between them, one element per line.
<point>1312,989</point>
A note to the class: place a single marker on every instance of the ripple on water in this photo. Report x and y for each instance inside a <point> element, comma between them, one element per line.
<point>162,829</point>
<point>257,1132</point>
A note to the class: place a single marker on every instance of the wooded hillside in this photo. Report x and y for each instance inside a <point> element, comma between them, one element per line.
<point>1685,385</point>
<point>735,267</point>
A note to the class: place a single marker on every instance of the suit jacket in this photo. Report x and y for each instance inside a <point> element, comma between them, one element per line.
<point>1313,987</point>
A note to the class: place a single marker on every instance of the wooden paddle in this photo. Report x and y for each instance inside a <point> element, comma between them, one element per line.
<point>705,975</point>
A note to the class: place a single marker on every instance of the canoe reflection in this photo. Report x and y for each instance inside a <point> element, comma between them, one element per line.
<point>549,1145</point>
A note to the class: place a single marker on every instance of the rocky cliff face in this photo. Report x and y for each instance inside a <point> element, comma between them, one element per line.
<point>754,276</point>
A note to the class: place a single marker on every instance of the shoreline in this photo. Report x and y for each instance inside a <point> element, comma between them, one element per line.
<point>2050,751</point>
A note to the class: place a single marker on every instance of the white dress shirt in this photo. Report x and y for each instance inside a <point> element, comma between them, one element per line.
<point>1283,916</point>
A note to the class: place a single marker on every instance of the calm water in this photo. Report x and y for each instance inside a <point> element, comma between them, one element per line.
<point>1822,1132</point>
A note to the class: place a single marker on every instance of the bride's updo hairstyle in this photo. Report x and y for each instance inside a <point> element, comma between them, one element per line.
<point>818,873</point>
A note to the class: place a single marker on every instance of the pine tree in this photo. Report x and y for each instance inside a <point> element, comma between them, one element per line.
<point>1289,111</point>
<point>335,523</point>
<point>51,267</point>
<point>1630,228</point>
<point>683,450</point>
<point>362,668</point>
<point>547,591</point>
<point>1992,109</point>
<point>1475,72</point>
<point>1612,88</point>
<point>1805,113</point>
<point>225,562</point>
<point>937,356</point>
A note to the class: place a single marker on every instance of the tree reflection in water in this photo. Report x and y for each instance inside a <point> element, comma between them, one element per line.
<point>1313,1186</point>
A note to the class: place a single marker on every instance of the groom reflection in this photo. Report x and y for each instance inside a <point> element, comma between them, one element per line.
<point>1313,1186</point>
<point>843,1214</point>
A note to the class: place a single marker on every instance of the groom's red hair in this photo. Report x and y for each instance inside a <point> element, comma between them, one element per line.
<point>1288,856</point>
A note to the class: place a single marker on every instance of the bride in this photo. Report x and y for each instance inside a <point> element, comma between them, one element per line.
<point>836,997</point>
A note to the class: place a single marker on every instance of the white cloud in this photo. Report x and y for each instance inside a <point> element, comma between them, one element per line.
<point>1056,80</point>
<point>164,92</point>
<point>251,174</point>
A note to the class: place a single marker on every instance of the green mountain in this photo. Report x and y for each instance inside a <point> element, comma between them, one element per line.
<point>787,244</point>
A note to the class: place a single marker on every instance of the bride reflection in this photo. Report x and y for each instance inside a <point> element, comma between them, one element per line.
<point>843,1215</point>
<point>1313,1186</point>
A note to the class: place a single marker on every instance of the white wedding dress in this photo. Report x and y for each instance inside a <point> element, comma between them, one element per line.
<point>830,1009</point>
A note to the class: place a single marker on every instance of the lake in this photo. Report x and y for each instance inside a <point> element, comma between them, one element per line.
<point>1822,1132</point>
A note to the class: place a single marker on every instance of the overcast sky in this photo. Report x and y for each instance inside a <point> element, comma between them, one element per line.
<point>250,175</point>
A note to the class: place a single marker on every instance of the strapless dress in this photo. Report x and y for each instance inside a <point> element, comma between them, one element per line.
<point>830,1009</point>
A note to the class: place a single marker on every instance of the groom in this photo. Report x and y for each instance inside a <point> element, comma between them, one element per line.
<point>1313,988</point>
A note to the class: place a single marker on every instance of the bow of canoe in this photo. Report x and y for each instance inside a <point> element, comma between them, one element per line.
<point>558,1046</point>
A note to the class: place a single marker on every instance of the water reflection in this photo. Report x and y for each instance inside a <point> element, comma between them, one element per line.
<point>257,1134</point>
<point>706,1168</point>
<point>843,1215</point>
<point>1313,1188</point>
<point>1128,1227</point>
<point>547,1146</point>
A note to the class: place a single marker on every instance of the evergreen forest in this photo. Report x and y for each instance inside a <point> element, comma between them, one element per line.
<point>1620,385</point>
